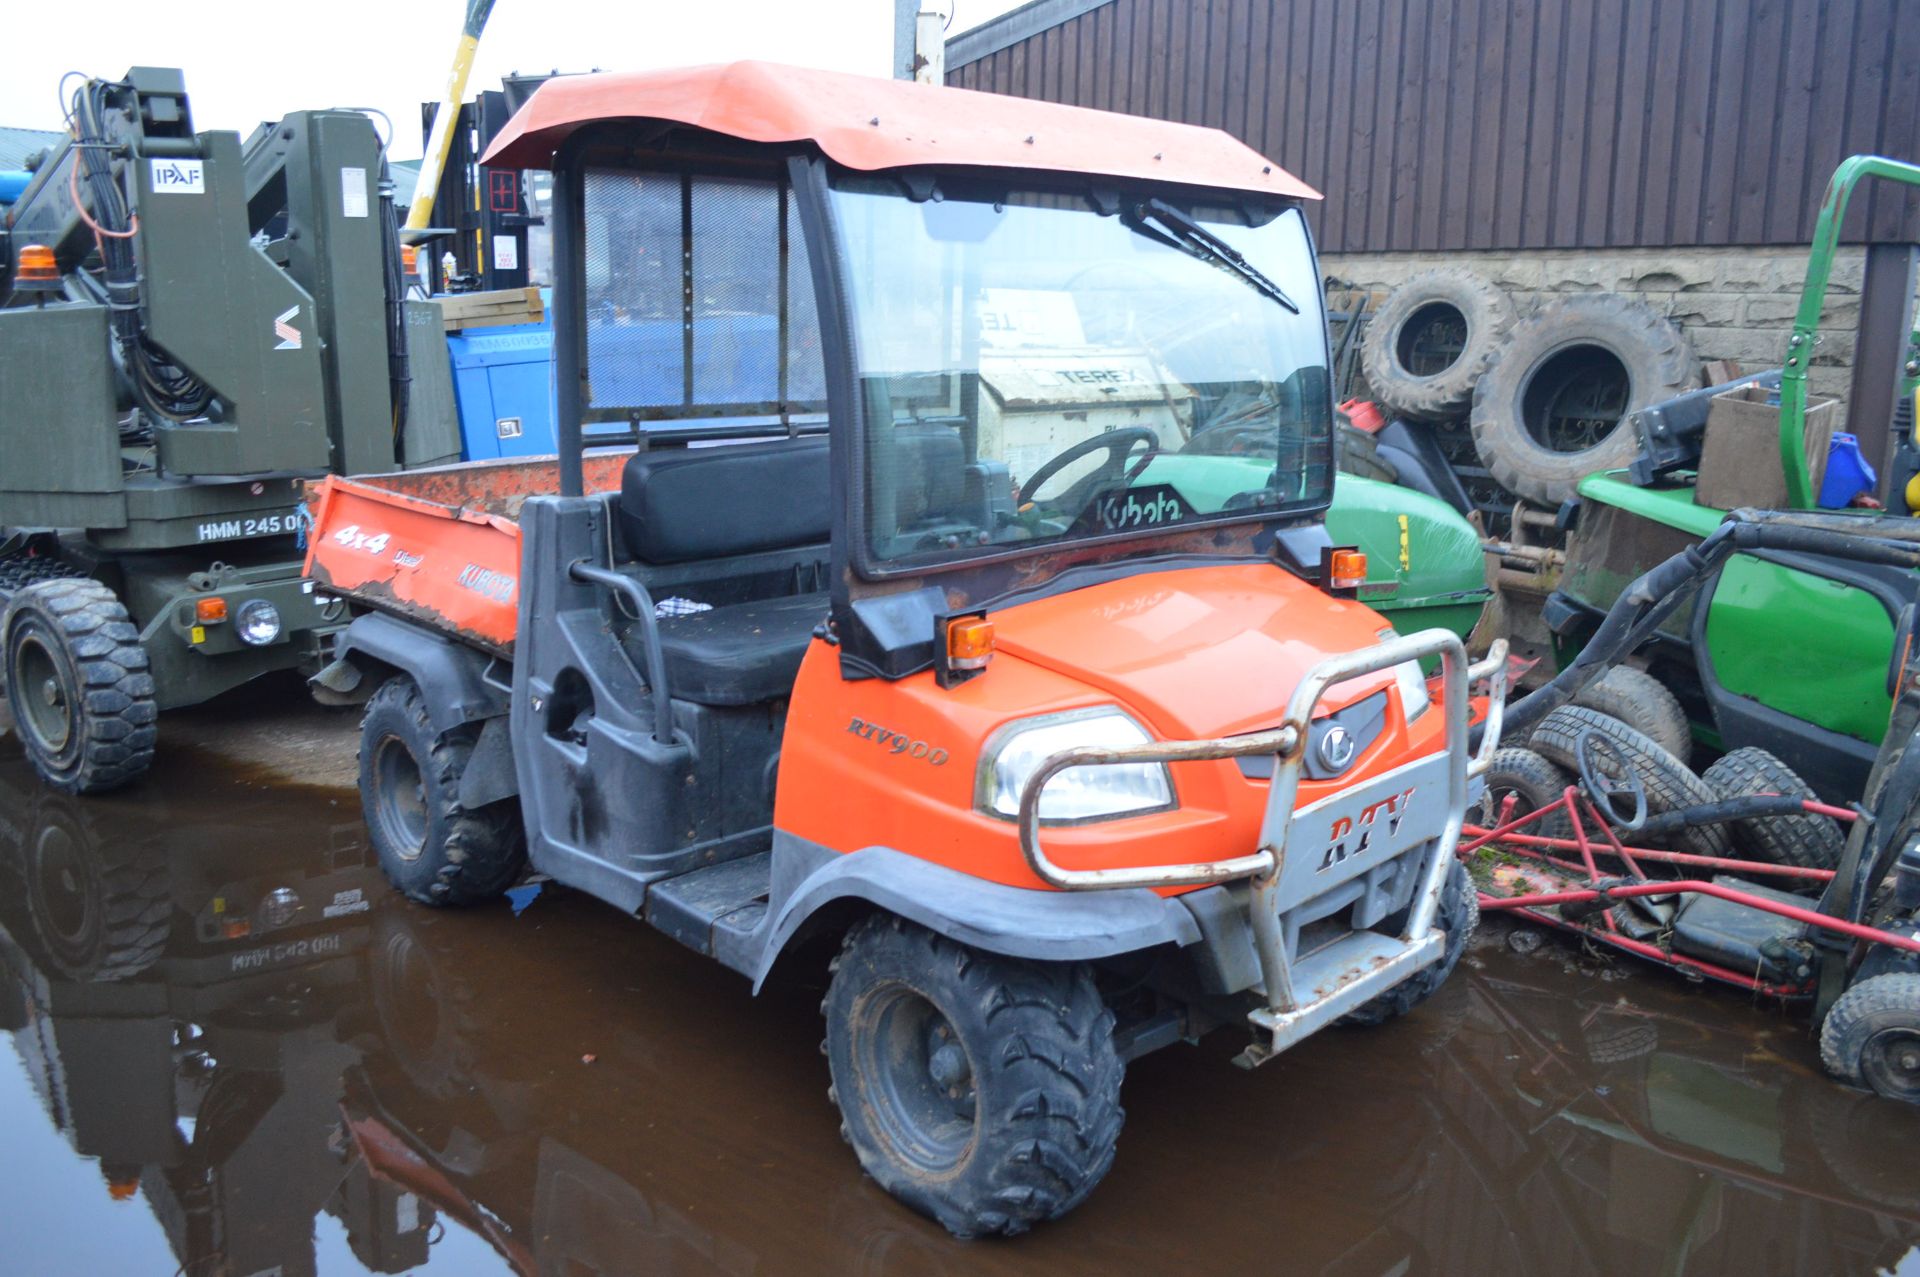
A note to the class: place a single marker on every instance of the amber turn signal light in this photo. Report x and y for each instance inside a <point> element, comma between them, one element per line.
<point>409,259</point>
<point>36,269</point>
<point>969,643</point>
<point>1346,570</point>
<point>210,611</point>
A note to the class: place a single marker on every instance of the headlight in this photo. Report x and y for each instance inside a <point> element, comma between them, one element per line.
<point>1414,698</point>
<point>258,622</point>
<point>1079,793</point>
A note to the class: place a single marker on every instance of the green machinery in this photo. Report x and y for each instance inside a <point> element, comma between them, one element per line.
<point>1789,652</point>
<point>190,325</point>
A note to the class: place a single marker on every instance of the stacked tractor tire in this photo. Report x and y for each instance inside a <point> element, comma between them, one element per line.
<point>1520,405</point>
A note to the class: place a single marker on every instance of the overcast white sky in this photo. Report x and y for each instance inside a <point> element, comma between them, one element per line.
<point>246,62</point>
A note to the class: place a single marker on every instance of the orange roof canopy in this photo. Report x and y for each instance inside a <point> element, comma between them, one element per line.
<point>873,124</point>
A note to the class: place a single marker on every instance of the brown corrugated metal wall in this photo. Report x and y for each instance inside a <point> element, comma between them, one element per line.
<point>1499,124</point>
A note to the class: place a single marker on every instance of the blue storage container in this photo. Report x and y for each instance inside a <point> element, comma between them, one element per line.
<point>503,379</point>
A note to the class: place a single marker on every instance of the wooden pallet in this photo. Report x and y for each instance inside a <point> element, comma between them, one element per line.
<point>485,310</point>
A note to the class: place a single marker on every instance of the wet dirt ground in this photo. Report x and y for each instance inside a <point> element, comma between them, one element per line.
<point>234,1051</point>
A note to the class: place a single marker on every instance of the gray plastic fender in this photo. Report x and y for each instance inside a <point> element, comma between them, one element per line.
<point>452,676</point>
<point>1059,926</point>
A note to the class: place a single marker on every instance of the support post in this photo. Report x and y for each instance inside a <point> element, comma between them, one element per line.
<point>1886,323</point>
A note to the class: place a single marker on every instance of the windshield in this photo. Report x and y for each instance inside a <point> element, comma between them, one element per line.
<point>1035,370</point>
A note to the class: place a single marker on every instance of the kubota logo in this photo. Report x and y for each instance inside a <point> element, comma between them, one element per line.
<point>283,329</point>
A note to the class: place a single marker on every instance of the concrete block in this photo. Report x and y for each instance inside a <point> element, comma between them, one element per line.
<point>1707,310</point>
<point>1753,349</point>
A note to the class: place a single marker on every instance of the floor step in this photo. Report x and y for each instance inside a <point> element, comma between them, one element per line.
<point>730,897</point>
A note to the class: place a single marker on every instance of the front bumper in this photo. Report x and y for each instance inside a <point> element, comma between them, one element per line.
<point>1355,843</point>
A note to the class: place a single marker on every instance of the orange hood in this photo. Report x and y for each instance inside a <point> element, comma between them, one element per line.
<point>1199,652</point>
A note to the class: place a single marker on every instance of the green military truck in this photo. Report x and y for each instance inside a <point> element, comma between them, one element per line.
<point>190,325</point>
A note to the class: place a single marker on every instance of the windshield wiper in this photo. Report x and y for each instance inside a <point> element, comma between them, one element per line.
<point>1159,220</point>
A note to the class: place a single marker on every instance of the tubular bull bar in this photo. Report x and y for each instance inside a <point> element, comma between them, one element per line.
<point>1304,994</point>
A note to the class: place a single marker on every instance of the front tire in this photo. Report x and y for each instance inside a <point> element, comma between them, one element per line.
<point>79,686</point>
<point>431,848</point>
<point>1458,914</point>
<point>981,1090</point>
<point>1871,1037</point>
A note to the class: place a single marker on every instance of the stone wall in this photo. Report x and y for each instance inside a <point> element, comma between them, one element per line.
<point>1733,304</point>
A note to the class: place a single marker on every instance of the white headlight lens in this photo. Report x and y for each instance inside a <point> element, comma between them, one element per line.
<point>1414,698</point>
<point>1079,793</point>
<point>258,622</point>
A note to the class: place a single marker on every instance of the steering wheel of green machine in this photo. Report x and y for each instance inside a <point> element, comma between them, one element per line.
<point>1610,780</point>
<point>1118,445</point>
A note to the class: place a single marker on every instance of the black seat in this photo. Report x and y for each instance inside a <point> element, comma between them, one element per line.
<point>742,654</point>
<point>685,504</point>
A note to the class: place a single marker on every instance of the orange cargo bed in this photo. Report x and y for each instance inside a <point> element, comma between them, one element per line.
<point>438,546</point>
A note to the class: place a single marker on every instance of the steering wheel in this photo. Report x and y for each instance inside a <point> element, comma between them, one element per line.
<point>1117,444</point>
<point>1608,778</point>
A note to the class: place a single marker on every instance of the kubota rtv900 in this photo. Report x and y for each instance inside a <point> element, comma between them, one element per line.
<point>1001,642</point>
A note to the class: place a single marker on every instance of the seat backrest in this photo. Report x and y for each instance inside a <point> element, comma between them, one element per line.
<point>685,504</point>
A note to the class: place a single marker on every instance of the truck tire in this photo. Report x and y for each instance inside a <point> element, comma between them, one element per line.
<point>1458,915</point>
<point>1871,1037</point>
<point>1356,452</point>
<point>1534,783</point>
<point>1643,703</point>
<point>78,686</point>
<point>1805,841</point>
<point>100,905</point>
<point>1670,785</point>
<point>1432,340</point>
<point>431,848</point>
<point>1553,408</point>
<point>982,1091</point>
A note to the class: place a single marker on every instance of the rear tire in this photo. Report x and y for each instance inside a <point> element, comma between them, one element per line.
<point>1806,841</point>
<point>1534,782</point>
<point>1643,703</point>
<point>1670,785</point>
<point>1458,915</point>
<point>78,686</point>
<point>981,1090</point>
<point>431,848</point>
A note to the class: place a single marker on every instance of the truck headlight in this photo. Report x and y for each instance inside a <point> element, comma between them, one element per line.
<point>1079,793</point>
<point>257,623</point>
<point>1414,697</point>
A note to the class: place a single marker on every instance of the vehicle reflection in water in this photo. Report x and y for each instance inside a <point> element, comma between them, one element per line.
<point>219,1003</point>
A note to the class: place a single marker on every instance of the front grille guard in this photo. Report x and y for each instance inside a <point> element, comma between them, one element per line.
<point>1288,744</point>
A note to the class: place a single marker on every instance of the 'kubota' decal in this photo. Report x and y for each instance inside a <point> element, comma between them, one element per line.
<point>894,743</point>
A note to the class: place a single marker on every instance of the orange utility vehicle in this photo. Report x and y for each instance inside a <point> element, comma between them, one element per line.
<point>933,564</point>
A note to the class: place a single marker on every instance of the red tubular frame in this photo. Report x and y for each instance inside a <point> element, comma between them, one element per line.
<point>1572,801</point>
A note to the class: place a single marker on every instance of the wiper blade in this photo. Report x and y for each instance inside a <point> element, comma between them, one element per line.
<point>1176,230</point>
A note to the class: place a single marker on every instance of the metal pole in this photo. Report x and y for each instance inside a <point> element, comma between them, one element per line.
<point>440,141</point>
<point>567,318</point>
<point>1880,351</point>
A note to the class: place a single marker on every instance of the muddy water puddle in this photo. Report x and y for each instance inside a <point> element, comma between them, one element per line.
<point>233,1051</point>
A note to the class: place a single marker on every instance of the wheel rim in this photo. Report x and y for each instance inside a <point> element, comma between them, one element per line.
<point>402,806</point>
<point>65,892</point>
<point>920,1079</point>
<point>43,701</point>
<point>1890,1063</point>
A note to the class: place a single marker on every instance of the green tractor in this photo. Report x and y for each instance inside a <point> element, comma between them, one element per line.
<point>1786,651</point>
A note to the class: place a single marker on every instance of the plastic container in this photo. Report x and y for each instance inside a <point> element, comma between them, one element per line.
<point>1848,473</point>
